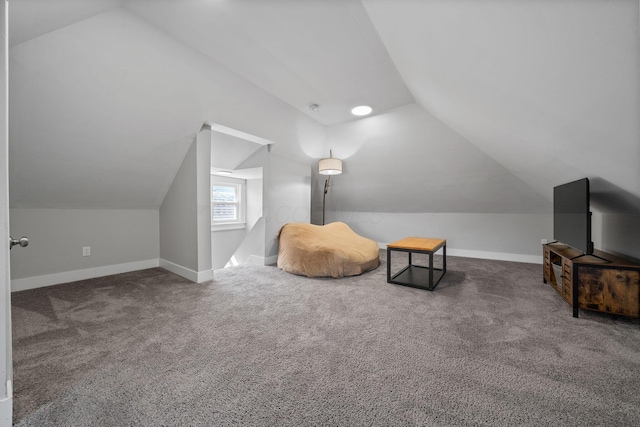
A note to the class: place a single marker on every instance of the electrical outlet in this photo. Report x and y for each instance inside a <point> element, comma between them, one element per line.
<point>86,251</point>
<point>544,241</point>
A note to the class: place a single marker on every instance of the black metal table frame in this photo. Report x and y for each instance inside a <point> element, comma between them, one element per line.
<point>431,284</point>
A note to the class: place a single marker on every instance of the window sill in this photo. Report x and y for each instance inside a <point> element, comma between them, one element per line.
<point>228,226</point>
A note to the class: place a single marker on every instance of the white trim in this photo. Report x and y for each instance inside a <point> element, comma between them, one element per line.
<point>216,127</point>
<point>6,406</point>
<point>187,273</point>
<point>241,204</point>
<point>75,275</point>
<point>6,409</point>
<point>205,276</point>
<point>228,226</point>
<point>500,256</point>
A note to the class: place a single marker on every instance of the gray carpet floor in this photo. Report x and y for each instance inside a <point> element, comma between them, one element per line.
<point>492,345</point>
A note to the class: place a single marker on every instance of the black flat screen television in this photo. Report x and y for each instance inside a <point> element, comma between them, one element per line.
<point>571,215</point>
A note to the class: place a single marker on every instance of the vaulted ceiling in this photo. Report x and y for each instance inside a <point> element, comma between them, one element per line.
<point>548,89</point>
<point>502,100</point>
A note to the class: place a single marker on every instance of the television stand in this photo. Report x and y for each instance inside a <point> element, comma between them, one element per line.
<point>591,255</point>
<point>600,282</point>
<point>564,245</point>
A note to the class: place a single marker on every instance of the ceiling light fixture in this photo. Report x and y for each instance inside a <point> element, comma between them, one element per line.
<point>314,107</point>
<point>225,173</point>
<point>361,110</point>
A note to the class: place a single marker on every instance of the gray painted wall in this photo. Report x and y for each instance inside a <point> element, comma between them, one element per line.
<point>288,186</point>
<point>203,198</point>
<point>248,246</point>
<point>254,201</point>
<point>225,242</point>
<point>57,236</point>
<point>406,166</point>
<point>618,234</point>
<point>178,216</point>
<point>185,214</point>
<point>224,245</point>
<point>500,236</point>
<point>251,250</point>
<point>405,173</point>
<point>515,237</point>
<point>287,198</point>
<point>407,160</point>
<point>6,369</point>
<point>616,218</point>
<point>128,161</point>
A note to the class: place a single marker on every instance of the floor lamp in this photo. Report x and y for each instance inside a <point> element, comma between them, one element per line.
<point>329,167</point>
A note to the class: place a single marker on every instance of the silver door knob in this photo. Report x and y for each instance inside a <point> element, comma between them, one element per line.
<point>23,241</point>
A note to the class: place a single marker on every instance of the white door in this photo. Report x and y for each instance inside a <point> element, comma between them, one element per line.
<point>5,281</point>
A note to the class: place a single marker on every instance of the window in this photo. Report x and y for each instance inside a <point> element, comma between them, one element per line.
<point>227,203</point>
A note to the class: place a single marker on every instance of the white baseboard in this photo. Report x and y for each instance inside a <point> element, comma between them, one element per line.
<point>6,407</point>
<point>6,411</point>
<point>204,276</point>
<point>500,256</point>
<point>75,275</point>
<point>187,273</point>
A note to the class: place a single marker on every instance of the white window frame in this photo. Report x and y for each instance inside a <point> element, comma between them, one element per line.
<point>240,185</point>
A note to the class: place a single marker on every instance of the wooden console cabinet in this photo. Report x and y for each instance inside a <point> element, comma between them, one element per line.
<point>603,282</point>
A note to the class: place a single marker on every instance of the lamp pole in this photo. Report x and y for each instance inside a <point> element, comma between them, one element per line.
<point>329,167</point>
<point>324,196</point>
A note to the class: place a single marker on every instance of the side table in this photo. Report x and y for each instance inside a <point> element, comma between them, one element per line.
<point>415,275</point>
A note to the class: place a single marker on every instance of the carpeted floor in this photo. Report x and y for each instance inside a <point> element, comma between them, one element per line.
<point>492,345</point>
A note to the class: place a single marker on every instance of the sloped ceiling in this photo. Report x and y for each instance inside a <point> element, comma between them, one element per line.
<point>303,52</point>
<point>513,97</point>
<point>407,160</point>
<point>30,19</point>
<point>549,89</point>
<point>102,110</point>
<point>228,152</point>
<point>90,124</point>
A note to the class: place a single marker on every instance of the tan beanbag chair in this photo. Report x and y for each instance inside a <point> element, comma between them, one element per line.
<point>325,250</point>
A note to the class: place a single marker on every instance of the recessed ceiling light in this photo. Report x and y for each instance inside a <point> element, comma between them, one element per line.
<point>225,172</point>
<point>361,110</point>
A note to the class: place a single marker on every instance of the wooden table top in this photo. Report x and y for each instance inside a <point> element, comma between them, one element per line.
<point>418,243</point>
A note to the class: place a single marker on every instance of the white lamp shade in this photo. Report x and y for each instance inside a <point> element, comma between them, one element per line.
<point>330,166</point>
